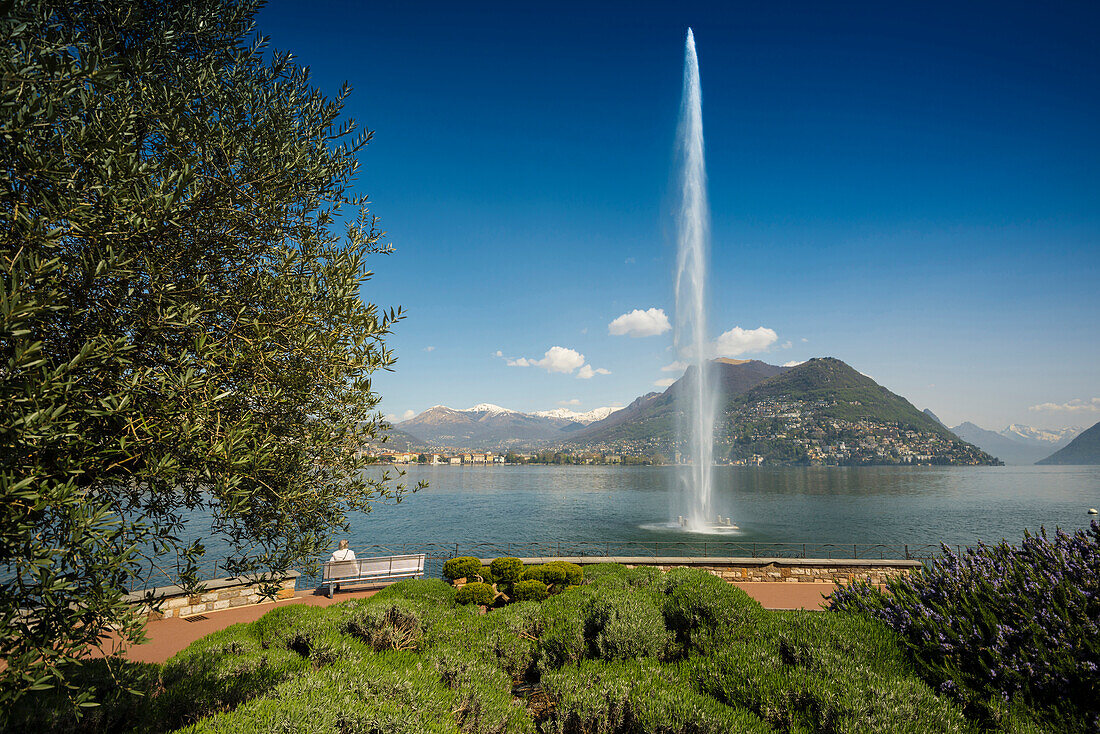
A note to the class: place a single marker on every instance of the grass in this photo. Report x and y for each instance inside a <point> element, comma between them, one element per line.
<point>627,651</point>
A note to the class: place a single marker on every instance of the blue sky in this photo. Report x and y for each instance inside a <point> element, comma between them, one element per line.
<point>912,188</point>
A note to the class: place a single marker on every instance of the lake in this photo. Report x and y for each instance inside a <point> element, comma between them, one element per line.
<point>840,505</point>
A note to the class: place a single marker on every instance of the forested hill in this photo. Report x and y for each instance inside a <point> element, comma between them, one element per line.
<point>840,392</point>
<point>821,411</point>
<point>1085,449</point>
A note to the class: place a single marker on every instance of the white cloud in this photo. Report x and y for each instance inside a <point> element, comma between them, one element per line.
<point>739,341</point>
<point>675,367</point>
<point>429,349</point>
<point>499,354</point>
<point>1073,406</point>
<point>804,340</point>
<point>787,345</point>
<point>793,363</point>
<point>574,401</point>
<point>390,418</point>
<point>630,261</point>
<point>560,359</point>
<point>665,382</point>
<point>584,330</point>
<point>640,323</point>
<point>587,373</point>
<point>408,414</point>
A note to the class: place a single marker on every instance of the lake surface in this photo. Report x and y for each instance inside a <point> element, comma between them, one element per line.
<point>841,505</point>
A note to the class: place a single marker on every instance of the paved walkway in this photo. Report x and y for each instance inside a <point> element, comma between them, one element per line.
<point>166,637</point>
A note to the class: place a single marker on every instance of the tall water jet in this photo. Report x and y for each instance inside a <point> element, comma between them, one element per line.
<point>697,403</point>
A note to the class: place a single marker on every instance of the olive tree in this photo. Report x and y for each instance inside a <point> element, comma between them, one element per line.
<point>181,328</point>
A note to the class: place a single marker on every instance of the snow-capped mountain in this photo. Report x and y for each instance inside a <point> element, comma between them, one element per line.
<point>1044,436</point>
<point>487,425</point>
<point>486,408</point>
<point>590,416</point>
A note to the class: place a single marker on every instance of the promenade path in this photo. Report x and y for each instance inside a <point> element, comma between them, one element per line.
<point>166,637</point>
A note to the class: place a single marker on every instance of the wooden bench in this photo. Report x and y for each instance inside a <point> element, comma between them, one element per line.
<point>380,568</point>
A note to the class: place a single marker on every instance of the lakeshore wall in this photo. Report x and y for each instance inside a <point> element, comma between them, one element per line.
<point>790,570</point>
<point>218,594</point>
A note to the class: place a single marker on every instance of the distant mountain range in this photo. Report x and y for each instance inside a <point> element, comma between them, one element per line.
<point>1016,444</point>
<point>487,425</point>
<point>819,412</point>
<point>1084,449</point>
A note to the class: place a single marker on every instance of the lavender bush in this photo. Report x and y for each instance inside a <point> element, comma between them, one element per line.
<point>1004,623</point>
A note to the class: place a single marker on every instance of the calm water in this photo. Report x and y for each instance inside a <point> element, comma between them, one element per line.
<point>919,505</point>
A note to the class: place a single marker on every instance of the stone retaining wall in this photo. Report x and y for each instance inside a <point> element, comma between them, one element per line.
<point>218,594</point>
<point>792,570</point>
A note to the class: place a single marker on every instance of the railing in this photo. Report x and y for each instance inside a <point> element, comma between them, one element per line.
<point>438,552</point>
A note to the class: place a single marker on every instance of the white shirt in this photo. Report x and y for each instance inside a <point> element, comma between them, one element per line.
<point>347,554</point>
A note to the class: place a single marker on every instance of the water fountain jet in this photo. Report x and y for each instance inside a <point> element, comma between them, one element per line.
<point>693,504</point>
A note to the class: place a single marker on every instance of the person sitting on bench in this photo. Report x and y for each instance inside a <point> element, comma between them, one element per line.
<point>343,553</point>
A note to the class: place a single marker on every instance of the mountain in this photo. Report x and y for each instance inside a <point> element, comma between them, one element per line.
<point>820,411</point>
<point>650,418</point>
<point>591,416</point>
<point>490,426</point>
<point>1041,436</point>
<point>928,412</point>
<point>1084,449</point>
<point>1012,451</point>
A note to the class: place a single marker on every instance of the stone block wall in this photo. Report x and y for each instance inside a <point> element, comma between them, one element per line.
<point>787,570</point>
<point>839,573</point>
<point>218,594</point>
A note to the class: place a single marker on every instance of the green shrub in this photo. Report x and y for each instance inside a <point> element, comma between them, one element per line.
<point>601,571</point>
<point>563,625</point>
<point>483,693</point>
<point>598,697</point>
<point>556,573</point>
<point>802,672</point>
<point>391,692</point>
<point>475,593</point>
<point>466,567</point>
<point>529,590</point>
<point>705,612</point>
<point>224,669</point>
<point>430,591</point>
<point>123,688</point>
<point>506,570</point>
<point>391,625</point>
<point>625,625</point>
<point>562,573</point>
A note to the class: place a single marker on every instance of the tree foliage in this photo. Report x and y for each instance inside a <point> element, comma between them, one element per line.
<point>181,328</point>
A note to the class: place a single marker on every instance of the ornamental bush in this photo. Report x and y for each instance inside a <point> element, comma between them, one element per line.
<point>556,573</point>
<point>625,625</point>
<point>705,612</point>
<point>506,570</point>
<point>637,696</point>
<point>475,593</point>
<point>462,567</point>
<point>393,626</point>
<point>1002,622</point>
<point>529,590</point>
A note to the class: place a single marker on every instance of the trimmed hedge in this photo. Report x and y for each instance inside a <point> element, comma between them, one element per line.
<point>556,573</point>
<point>475,593</point>
<point>529,590</point>
<point>466,567</point>
<point>506,570</point>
